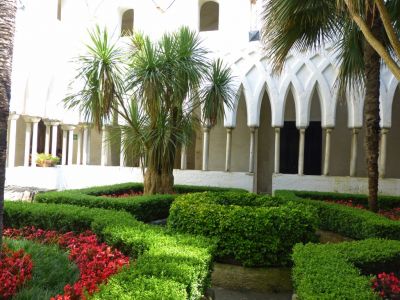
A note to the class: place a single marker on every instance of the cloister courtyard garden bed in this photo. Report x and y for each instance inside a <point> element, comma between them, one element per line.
<point>276,235</point>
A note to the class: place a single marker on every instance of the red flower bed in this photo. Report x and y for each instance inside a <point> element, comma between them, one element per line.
<point>15,270</point>
<point>393,214</point>
<point>96,261</point>
<point>387,286</point>
<point>124,195</point>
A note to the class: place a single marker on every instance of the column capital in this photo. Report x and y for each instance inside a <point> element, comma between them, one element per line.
<point>84,125</point>
<point>13,116</point>
<point>355,130</point>
<point>229,129</point>
<point>49,122</point>
<point>328,129</point>
<point>302,129</point>
<point>67,127</point>
<point>384,130</point>
<point>277,129</point>
<point>30,119</point>
<point>253,128</point>
<point>206,128</point>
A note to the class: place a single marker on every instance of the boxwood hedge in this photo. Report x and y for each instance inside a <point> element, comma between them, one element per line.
<point>341,271</point>
<point>254,230</point>
<point>143,208</point>
<point>168,265</point>
<point>351,222</point>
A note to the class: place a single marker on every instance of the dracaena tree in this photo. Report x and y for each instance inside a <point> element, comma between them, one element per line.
<point>7,29</point>
<point>155,88</point>
<point>388,11</point>
<point>291,25</point>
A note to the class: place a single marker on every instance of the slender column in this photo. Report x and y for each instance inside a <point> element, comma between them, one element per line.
<point>122,158</point>
<point>12,139</point>
<point>64,147</point>
<point>79,147</point>
<point>277,150</point>
<point>328,132</point>
<point>28,132</point>
<point>382,154</point>
<point>252,148</point>
<point>85,151</point>
<point>301,151</point>
<point>47,137</point>
<point>35,123</point>
<point>104,147</point>
<point>183,158</point>
<point>70,144</point>
<point>206,147</point>
<point>54,137</point>
<point>228,151</point>
<point>354,146</point>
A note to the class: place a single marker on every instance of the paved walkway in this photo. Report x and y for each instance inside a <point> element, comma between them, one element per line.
<point>223,294</point>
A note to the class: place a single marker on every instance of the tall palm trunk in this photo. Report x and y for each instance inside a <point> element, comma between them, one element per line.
<point>371,112</point>
<point>7,28</point>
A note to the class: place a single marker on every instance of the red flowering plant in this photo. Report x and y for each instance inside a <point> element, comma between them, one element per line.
<point>96,261</point>
<point>15,270</point>
<point>387,286</point>
<point>393,214</point>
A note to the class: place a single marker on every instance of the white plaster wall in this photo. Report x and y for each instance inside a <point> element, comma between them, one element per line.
<point>65,177</point>
<point>352,185</point>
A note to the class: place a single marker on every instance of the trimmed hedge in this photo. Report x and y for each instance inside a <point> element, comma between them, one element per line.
<point>384,202</point>
<point>143,208</point>
<point>334,271</point>
<point>351,222</point>
<point>254,230</point>
<point>169,265</point>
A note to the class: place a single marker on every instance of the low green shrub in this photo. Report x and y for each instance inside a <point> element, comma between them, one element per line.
<point>177,263</point>
<point>143,208</point>
<point>351,222</point>
<point>334,271</point>
<point>384,202</point>
<point>254,230</point>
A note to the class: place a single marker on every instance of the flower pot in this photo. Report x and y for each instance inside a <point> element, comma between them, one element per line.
<point>46,164</point>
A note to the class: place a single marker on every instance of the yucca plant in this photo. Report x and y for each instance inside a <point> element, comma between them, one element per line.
<point>308,24</point>
<point>165,82</point>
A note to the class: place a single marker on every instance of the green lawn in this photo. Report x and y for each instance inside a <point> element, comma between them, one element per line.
<point>51,270</point>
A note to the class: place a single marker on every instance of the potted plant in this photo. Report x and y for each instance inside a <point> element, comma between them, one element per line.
<point>46,160</point>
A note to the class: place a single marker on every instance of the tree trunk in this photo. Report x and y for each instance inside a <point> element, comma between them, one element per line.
<point>371,113</point>
<point>167,182</point>
<point>152,181</point>
<point>7,28</point>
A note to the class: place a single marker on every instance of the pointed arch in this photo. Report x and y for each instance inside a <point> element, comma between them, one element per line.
<point>209,16</point>
<point>127,22</point>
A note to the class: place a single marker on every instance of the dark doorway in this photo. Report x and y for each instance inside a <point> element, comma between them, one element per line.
<point>313,149</point>
<point>289,154</point>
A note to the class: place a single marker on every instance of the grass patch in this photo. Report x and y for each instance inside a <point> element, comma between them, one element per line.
<point>51,271</point>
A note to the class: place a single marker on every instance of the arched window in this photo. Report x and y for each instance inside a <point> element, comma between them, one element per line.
<point>209,16</point>
<point>127,22</point>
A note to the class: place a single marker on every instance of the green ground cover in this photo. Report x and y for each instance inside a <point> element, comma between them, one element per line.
<point>51,270</point>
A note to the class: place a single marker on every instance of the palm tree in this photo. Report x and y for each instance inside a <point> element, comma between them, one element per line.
<point>166,81</point>
<point>7,28</point>
<point>300,25</point>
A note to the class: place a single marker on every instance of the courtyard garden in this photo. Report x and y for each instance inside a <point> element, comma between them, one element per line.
<point>113,242</point>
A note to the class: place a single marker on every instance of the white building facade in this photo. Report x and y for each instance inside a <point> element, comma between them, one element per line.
<point>287,131</point>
